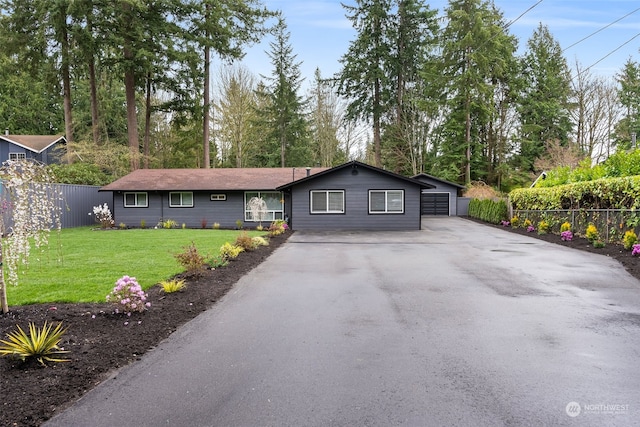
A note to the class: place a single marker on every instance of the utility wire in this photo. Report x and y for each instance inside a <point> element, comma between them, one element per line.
<point>522,14</point>
<point>601,29</point>
<point>606,56</point>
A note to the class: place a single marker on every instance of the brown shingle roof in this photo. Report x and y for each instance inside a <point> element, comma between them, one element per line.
<point>218,179</point>
<point>37,143</point>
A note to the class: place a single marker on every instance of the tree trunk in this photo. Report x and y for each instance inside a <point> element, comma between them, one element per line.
<point>93,91</point>
<point>376,124</point>
<point>206,107</point>
<point>132,119</point>
<point>66,85</point>
<point>207,97</point>
<point>147,124</point>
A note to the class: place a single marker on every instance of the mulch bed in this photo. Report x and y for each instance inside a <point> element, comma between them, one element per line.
<point>101,341</point>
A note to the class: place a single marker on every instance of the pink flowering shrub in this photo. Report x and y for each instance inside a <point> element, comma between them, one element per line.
<point>636,250</point>
<point>128,296</point>
<point>530,228</point>
<point>567,235</point>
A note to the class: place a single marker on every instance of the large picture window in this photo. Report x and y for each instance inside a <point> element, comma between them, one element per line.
<point>135,200</point>
<point>386,201</point>
<point>273,208</point>
<point>182,199</point>
<point>327,201</point>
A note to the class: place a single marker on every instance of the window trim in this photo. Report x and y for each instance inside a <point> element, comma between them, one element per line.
<point>18,156</point>
<point>327,212</point>
<point>386,202</point>
<point>181,205</point>
<point>136,194</point>
<point>271,214</point>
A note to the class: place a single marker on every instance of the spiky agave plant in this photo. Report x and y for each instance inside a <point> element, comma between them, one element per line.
<point>41,344</point>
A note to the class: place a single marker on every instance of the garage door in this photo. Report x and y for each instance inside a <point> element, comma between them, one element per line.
<point>434,204</point>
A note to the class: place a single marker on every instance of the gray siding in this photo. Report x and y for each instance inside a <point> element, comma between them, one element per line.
<point>443,187</point>
<point>356,216</point>
<point>224,212</point>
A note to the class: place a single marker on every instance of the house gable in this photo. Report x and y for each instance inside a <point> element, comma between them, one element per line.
<point>36,147</point>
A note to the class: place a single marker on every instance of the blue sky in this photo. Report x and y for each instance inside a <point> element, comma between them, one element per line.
<point>320,33</point>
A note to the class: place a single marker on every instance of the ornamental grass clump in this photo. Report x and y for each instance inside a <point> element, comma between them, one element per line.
<point>171,286</point>
<point>630,239</point>
<point>128,296</point>
<point>515,222</point>
<point>39,344</point>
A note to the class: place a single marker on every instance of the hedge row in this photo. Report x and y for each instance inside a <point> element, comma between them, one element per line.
<point>488,210</point>
<point>609,193</point>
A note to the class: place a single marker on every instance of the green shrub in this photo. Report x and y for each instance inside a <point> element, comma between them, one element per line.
<point>122,226</point>
<point>239,224</point>
<point>489,210</point>
<point>630,238</point>
<point>39,344</point>
<point>598,244</point>
<point>229,251</point>
<point>171,286</point>
<point>543,227</point>
<point>515,221</point>
<point>191,260</point>
<point>218,262</point>
<point>143,223</point>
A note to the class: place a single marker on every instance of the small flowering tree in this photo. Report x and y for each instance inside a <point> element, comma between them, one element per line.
<point>33,211</point>
<point>258,208</point>
<point>102,214</point>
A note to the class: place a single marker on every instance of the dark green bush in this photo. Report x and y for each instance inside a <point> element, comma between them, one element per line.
<point>488,210</point>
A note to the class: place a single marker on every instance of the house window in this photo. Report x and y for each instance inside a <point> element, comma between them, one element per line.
<point>183,199</point>
<point>327,201</point>
<point>17,156</point>
<point>386,201</point>
<point>216,197</point>
<point>273,210</point>
<point>135,200</point>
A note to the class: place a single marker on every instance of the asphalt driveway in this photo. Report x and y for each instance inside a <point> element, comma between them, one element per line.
<point>458,324</point>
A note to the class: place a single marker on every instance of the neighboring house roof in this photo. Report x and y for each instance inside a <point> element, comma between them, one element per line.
<point>35,143</point>
<point>354,165</point>
<point>431,177</point>
<point>216,179</point>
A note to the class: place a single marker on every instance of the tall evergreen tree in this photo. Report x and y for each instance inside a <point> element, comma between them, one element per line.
<point>629,95</point>
<point>325,123</point>
<point>363,78</point>
<point>545,99</point>
<point>283,114</point>
<point>476,53</point>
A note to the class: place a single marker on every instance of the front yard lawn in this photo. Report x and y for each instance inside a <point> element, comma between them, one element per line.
<point>82,264</point>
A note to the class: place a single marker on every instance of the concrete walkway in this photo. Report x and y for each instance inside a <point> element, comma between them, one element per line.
<point>457,325</point>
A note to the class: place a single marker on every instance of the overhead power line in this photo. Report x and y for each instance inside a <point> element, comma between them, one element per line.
<point>601,29</point>
<point>607,55</point>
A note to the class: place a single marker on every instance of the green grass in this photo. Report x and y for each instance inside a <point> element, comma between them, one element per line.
<point>82,264</point>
